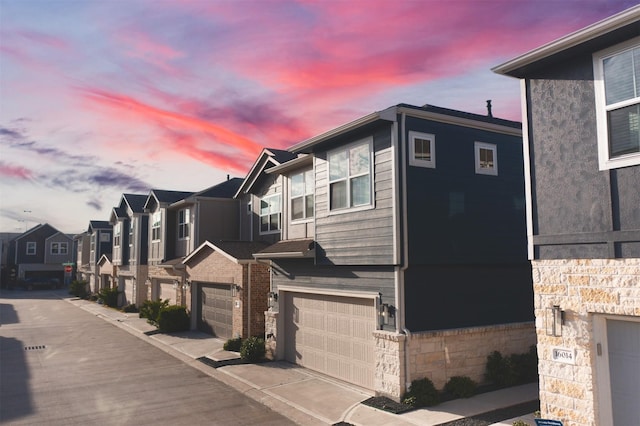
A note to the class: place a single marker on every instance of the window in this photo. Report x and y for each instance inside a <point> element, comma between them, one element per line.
<point>156,220</point>
<point>183,223</point>
<point>31,247</point>
<point>131,233</point>
<point>249,211</point>
<point>617,89</point>
<point>486,159</point>
<point>92,246</point>
<point>422,148</point>
<point>270,213</point>
<point>59,248</point>
<point>302,190</point>
<point>350,176</point>
<point>105,237</point>
<point>117,229</point>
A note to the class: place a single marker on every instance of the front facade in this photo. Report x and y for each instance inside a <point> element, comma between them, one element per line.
<point>130,248</point>
<point>581,103</point>
<point>99,232</point>
<point>41,252</point>
<point>397,237</point>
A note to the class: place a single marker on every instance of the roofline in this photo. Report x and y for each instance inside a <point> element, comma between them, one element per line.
<point>219,250</point>
<point>250,178</point>
<point>284,255</point>
<point>576,38</point>
<point>461,121</point>
<point>297,162</point>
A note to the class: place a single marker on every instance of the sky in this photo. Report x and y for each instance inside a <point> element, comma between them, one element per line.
<point>104,97</point>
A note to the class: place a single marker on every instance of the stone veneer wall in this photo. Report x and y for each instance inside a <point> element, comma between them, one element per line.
<point>440,355</point>
<point>584,290</point>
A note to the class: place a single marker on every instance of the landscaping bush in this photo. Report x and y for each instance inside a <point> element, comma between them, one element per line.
<point>109,296</point>
<point>93,297</point>
<point>173,318</point>
<point>512,370</point>
<point>460,387</point>
<point>252,349</point>
<point>525,366</point>
<point>130,308</point>
<point>233,345</point>
<point>422,393</point>
<point>78,289</point>
<point>150,310</point>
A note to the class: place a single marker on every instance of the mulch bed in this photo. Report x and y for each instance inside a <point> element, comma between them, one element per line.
<point>387,404</point>
<point>217,364</point>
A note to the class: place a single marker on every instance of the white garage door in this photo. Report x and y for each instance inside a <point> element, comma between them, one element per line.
<point>332,335</point>
<point>624,369</point>
<point>127,289</point>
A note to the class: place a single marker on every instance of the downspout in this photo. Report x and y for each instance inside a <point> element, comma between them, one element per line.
<point>405,250</point>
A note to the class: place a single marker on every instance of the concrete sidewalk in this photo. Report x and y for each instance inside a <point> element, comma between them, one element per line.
<point>304,396</point>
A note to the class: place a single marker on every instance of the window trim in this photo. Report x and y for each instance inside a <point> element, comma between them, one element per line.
<point>602,127</point>
<point>59,252</point>
<point>117,234</point>
<point>31,248</point>
<point>279,213</point>
<point>369,142</point>
<point>477,146</point>
<point>413,161</point>
<point>304,196</point>
<point>184,224</point>
<point>156,225</point>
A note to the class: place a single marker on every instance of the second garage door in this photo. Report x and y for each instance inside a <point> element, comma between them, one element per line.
<point>332,335</point>
<point>215,304</point>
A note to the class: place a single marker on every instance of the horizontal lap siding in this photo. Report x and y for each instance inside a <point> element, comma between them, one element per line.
<point>362,237</point>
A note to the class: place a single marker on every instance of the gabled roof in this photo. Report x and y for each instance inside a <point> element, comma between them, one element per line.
<point>118,213</point>
<point>622,26</point>
<point>59,233</point>
<point>268,158</point>
<point>226,189</point>
<point>52,230</point>
<point>104,258</point>
<point>300,248</point>
<point>135,202</point>
<point>236,251</point>
<point>94,225</point>
<point>164,197</point>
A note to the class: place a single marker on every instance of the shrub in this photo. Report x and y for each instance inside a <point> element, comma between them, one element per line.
<point>460,387</point>
<point>130,308</point>
<point>422,393</point>
<point>520,423</point>
<point>233,345</point>
<point>150,310</point>
<point>109,296</point>
<point>512,370</point>
<point>252,349</point>
<point>525,366</point>
<point>93,297</point>
<point>173,318</point>
<point>78,289</point>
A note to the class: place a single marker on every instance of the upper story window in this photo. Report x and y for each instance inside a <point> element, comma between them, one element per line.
<point>131,233</point>
<point>249,208</point>
<point>183,223</point>
<point>92,245</point>
<point>617,90</point>
<point>31,247</point>
<point>270,213</point>
<point>302,200</point>
<point>486,158</point>
<point>422,149</point>
<point>350,176</point>
<point>156,221</point>
<point>59,248</point>
<point>105,237</point>
<point>117,229</point>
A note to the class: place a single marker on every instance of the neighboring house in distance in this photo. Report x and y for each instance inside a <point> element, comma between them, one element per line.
<point>40,253</point>
<point>130,248</point>
<point>179,223</point>
<point>82,244</point>
<point>5,273</point>
<point>402,246</point>
<point>100,244</point>
<point>581,101</point>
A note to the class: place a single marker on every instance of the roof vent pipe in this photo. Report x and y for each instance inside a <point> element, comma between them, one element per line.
<point>489,114</point>
<point>227,177</point>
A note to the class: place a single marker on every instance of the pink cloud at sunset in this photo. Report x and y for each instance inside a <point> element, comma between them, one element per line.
<point>180,93</point>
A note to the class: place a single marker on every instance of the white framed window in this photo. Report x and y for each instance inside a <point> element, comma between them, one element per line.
<point>486,158</point>
<point>302,195</point>
<point>183,223</point>
<point>422,149</point>
<point>59,248</point>
<point>249,208</point>
<point>350,176</point>
<point>31,247</point>
<point>617,95</point>
<point>270,213</point>
<point>117,230</point>
<point>156,221</point>
<point>92,244</point>
<point>132,233</point>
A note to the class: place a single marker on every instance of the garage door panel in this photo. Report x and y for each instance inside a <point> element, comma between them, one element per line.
<point>624,368</point>
<point>331,334</point>
<point>216,309</point>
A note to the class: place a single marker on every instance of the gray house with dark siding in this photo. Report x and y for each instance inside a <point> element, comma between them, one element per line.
<point>403,237</point>
<point>581,106</point>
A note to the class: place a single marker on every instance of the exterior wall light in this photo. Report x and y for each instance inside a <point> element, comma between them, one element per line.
<point>273,299</point>
<point>387,314</point>
<point>235,290</point>
<point>187,285</point>
<point>555,321</point>
<point>175,284</point>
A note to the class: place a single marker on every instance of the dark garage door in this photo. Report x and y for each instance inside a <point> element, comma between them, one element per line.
<point>216,309</point>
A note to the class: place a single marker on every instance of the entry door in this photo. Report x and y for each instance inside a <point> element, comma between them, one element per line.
<point>623,341</point>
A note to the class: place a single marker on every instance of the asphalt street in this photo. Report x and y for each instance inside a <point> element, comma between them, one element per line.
<point>60,365</point>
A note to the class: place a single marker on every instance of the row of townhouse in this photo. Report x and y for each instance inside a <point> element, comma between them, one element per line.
<point>385,250</point>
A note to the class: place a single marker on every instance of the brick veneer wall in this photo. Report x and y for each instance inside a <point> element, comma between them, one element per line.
<point>440,355</point>
<point>584,289</point>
